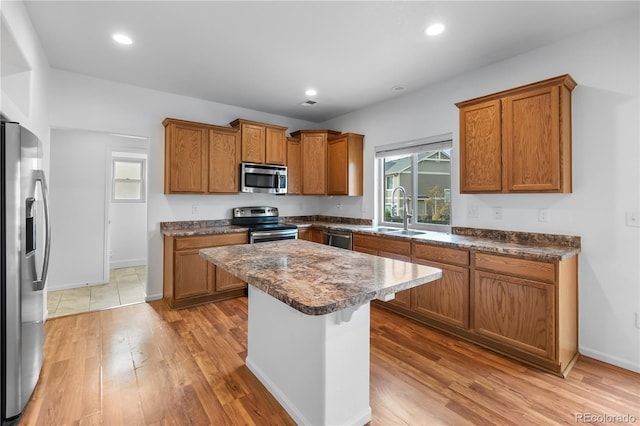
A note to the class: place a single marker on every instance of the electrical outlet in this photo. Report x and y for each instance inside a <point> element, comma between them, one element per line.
<point>339,207</point>
<point>194,209</point>
<point>543,215</point>
<point>497,213</point>
<point>472,212</point>
<point>633,219</point>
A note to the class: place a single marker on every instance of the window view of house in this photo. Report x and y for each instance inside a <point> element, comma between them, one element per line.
<point>426,178</point>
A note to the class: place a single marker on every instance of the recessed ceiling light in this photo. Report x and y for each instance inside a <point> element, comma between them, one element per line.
<point>311,92</point>
<point>122,39</point>
<point>434,30</point>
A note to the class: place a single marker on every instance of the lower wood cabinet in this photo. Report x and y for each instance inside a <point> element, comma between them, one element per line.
<point>189,279</point>
<point>522,308</point>
<point>446,300</point>
<point>313,235</point>
<point>527,308</point>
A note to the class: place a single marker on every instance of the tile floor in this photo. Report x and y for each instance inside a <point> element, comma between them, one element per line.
<point>125,286</point>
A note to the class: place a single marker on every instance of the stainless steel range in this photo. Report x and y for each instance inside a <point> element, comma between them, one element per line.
<point>263,224</point>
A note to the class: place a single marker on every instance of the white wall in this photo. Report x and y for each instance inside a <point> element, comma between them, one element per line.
<point>127,220</point>
<point>98,105</point>
<point>606,160</point>
<point>79,186</point>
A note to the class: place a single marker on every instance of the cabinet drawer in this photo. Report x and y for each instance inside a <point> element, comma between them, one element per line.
<point>532,269</point>
<point>441,254</point>
<point>203,241</point>
<point>388,245</point>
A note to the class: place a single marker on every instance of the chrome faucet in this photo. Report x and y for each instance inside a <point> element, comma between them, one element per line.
<point>405,213</point>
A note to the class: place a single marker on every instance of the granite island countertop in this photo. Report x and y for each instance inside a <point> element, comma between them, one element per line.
<point>316,279</point>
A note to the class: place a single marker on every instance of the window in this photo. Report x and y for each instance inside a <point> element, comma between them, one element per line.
<point>128,180</point>
<point>423,168</point>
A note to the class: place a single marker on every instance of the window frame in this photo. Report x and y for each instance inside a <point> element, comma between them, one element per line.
<point>413,148</point>
<point>143,173</point>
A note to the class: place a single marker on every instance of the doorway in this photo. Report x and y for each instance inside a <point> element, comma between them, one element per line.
<point>99,244</point>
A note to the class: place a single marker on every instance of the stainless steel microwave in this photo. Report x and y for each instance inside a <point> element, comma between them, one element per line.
<point>263,178</point>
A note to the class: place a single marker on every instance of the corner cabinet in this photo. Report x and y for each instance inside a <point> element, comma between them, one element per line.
<point>518,140</point>
<point>189,279</point>
<point>345,164</point>
<point>262,143</point>
<point>200,158</point>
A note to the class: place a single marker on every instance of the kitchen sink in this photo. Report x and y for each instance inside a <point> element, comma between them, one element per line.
<point>384,229</point>
<point>394,231</point>
<point>407,232</point>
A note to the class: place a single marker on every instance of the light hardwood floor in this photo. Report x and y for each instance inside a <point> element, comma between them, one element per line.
<point>145,364</point>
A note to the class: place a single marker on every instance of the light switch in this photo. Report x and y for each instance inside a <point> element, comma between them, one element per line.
<point>633,219</point>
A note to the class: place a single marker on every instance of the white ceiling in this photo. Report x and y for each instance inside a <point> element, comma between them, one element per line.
<point>263,55</point>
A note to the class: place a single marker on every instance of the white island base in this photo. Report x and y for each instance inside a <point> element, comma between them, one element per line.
<point>316,366</point>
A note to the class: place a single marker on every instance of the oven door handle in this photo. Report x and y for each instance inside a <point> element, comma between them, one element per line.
<point>272,233</point>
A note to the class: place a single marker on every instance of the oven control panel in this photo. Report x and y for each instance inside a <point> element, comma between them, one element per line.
<point>255,212</point>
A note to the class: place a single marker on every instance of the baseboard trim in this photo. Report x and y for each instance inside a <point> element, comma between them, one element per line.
<point>610,359</point>
<point>128,263</point>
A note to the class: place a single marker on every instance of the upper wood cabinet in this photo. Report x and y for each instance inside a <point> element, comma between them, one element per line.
<point>313,151</point>
<point>518,140</point>
<point>294,166</point>
<point>261,143</point>
<point>344,164</point>
<point>200,158</point>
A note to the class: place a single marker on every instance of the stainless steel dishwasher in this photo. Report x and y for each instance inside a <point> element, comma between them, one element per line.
<point>335,238</point>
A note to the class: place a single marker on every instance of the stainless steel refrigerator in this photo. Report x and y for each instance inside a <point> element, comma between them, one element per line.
<point>25,243</point>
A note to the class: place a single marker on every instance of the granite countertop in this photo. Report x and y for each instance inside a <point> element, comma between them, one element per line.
<point>535,246</point>
<point>316,279</point>
<point>199,227</point>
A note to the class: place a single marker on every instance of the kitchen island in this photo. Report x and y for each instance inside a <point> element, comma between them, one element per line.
<point>308,331</point>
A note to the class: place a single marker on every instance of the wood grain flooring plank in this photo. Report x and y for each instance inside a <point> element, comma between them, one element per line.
<point>147,365</point>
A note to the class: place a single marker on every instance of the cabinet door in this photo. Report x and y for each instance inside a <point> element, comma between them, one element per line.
<point>480,148</point>
<point>275,146</point>
<point>186,158</point>
<point>225,281</point>
<point>224,160</point>
<point>337,167</point>
<point>345,164</point>
<point>446,299</point>
<point>191,275</point>
<point>253,141</point>
<point>516,312</point>
<point>531,141</point>
<point>314,163</point>
<point>313,235</point>
<point>294,170</point>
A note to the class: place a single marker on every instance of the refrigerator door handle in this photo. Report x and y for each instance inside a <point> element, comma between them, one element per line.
<point>38,284</point>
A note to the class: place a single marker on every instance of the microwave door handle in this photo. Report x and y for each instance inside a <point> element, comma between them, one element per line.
<point>277,183</point>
